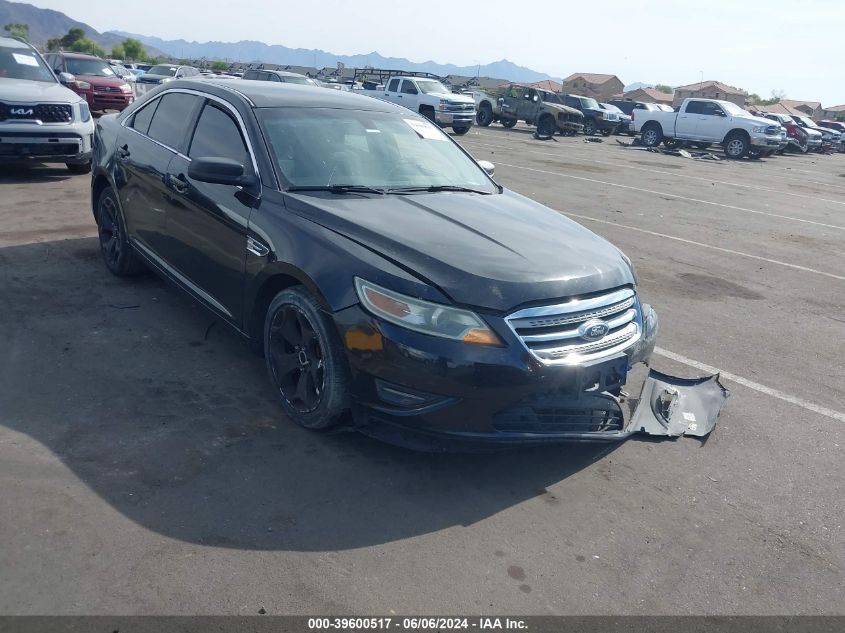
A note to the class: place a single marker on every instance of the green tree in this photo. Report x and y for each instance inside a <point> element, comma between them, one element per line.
<point>664,88</point>
<point>17,30</point>
<point>219,65</point>
<point>134,50</point>
<point>118,52</point>
<point>66,41</point>
<point>86,45</point>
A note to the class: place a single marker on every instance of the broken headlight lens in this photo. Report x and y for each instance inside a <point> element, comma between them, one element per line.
<point>424,316</point>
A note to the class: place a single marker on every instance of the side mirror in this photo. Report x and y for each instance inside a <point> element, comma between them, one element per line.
<point>536,99</point>
<point>66,78</point>
<point>220,171</point>
<point>487,166</point>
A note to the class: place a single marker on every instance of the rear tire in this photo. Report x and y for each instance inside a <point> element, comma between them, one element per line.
<point>305,360</point>
<point>508,123</point>
<point>118,255</point>
<point>652,135</point>
<point>736,146</point>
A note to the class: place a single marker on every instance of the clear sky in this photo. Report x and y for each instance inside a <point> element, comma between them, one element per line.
<point>790,45</point>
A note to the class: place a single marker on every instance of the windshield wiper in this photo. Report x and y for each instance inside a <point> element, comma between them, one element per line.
<point>435,188</point>
<point>340,189</point>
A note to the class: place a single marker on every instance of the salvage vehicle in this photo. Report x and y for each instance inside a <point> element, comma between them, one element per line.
<point>595,119</point>
<point>710,121</point>
<point>830,137</point>
<point>796,136</point>
<point>627,106</point>
<point>428,96</point>
<point>839,127</point>
<point>40,119</point>
<point>624,120</point>
<point>390,283</point>
<point>91,78</point>
<point>161,74</point>
<point>538,107</point>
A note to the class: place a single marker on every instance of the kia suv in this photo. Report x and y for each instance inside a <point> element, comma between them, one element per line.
<point>389,282</point>
<point>93,79</point>
<point>40,120</point>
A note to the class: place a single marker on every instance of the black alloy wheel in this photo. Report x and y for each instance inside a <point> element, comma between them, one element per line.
<point>118,255</point>
<point>305,360</point>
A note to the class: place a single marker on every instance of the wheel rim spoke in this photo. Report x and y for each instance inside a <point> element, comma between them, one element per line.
<point>296,359</point>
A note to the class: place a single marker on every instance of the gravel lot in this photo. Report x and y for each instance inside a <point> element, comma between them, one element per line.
<point>146,468</point>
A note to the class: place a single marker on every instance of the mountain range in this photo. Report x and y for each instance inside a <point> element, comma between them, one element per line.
<point>46,23</point>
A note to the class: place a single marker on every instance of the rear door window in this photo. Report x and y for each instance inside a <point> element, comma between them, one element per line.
<point>393,86</point>
<point>141,119</point>
<point>173,114</point>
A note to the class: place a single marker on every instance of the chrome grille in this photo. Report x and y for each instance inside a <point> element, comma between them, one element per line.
<point>561,334</point>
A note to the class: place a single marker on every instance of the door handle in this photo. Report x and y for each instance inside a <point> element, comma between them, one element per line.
<point>178,183</point>
<point>123,152</point>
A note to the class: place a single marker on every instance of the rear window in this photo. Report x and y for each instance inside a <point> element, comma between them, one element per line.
<point>164,70</point>
<point>174,111</point>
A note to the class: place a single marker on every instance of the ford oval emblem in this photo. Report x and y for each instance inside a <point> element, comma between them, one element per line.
<point>593,330</point>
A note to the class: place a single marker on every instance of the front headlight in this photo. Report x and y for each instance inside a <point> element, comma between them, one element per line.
<point>758,130</point>
<point>84,111</point>
<point>83,85</point>
<point>424,316</point>
<point>126,88</point>
<point>443,104</point>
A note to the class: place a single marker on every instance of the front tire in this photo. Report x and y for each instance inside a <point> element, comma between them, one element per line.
<point>589,127</point>
<point>546,126</point>
<point>118,255</point>
<point>485,115</point>
<point>305,360</point>
<point>460,131</point>
<point>736,146</point>
<point>79,168</point>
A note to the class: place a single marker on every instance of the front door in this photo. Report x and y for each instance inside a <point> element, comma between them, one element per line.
<point>711,122</point>
<point>207,223</point>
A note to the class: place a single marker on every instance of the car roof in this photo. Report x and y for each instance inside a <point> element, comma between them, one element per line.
<point>281,73</point>
<point>268,94</point>
<point>12,42</point>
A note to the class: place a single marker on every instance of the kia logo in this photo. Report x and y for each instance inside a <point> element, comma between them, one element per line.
<point>23,111</point>
<point>593,330</point>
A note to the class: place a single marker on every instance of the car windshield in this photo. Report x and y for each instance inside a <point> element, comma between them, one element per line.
<point>805,121</point>
<point>429,86</point>
<point>324,147</point>
<point>611,108</point>
<point>733,109</point>
<point>588,103</point>
<point>22,63</point>
<point>163,70</point>
<point>90,67</point>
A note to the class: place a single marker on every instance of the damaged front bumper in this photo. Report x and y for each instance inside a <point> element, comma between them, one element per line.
<point>437,395</point>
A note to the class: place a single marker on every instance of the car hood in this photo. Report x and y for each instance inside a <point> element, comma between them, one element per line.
<point>451,96</point>
<point>28,91</point>
<point>99,80</point>
<point>562,108</point>
<point>489,251</point>
<point>150,78</point>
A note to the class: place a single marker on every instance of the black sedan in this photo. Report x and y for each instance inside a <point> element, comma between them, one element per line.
<point>389,282</point>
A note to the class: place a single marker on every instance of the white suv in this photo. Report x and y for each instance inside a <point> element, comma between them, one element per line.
<point>40,119</point>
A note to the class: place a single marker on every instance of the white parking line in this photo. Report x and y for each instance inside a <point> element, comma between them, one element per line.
<point>702,244</point>
<point>677,197</point>
<point>617,163</point>
<point>804,404</point>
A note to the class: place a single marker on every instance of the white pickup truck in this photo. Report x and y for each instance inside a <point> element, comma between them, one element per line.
<point>430,98</point>
<point>701,122</point>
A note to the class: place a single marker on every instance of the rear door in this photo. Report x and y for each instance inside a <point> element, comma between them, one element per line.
<point>207,223</point>
<point>391,92</point>
<point>151,137</point>
<point>687,121</point>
